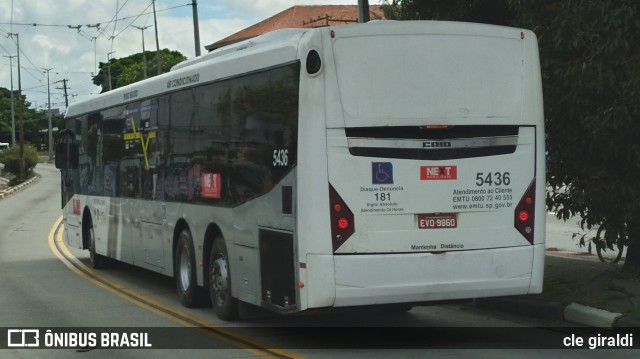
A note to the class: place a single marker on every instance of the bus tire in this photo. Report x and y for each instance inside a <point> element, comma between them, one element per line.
<point>96,260</point>
<point>185,271</point>
<point>224,305</point>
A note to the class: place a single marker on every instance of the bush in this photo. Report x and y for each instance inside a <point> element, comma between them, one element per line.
<point>11,159</point>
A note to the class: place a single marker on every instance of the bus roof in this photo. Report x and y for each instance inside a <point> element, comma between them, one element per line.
<point>271,49</point>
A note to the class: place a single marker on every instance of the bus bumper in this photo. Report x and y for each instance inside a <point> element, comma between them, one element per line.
<point>424,277</point>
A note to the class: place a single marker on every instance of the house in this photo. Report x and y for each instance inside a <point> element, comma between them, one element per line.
<point>301,16</point>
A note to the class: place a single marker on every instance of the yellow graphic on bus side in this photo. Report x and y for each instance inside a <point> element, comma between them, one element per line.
<point>144,140</point>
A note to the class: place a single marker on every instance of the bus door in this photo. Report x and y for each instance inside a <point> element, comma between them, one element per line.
<point>67,160</point>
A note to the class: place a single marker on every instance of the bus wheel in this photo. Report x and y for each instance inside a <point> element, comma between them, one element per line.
<point>225,306</point>
<point>186,269</point>
<point>88,236</point>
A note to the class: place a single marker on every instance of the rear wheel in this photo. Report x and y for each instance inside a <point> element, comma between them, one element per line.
<point>185,272</point>
<point>224,305</point>
<point>88,237</point>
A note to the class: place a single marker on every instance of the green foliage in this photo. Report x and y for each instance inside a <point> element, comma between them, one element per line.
<point>5,112</point>
<point>130,69</point>
<point>34,120</point>
<point>11,159</point>
<point>484,11</point>
<point>590,62</point>
<point>591,74</point>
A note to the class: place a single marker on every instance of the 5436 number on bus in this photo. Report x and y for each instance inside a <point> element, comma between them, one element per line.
<point>493,179</point>
<point>280,158</point>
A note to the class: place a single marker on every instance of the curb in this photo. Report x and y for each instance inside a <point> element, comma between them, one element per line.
<point>573,312</point>
<point>592,317</point>
<point>11,190</point>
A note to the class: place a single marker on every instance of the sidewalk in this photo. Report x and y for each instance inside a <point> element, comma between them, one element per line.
<point>5,190</point>
<point>580,289</point>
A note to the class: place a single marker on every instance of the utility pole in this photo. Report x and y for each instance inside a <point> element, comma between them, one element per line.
<point>155,23</point>
<point>13,119</point>
<point>22,174</point>
<point>64,87</point>
<point>95,52</point>
<point>196,27</point>
<point>363,10</point>
<point>109,67</point>
<point>95,55</point>
<point>144,56</point>
<point>50,138</point>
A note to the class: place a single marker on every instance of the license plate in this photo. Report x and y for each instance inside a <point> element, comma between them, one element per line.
<point>437,220</point>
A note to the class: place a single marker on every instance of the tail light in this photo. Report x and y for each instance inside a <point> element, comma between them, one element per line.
<point>342,225</point>
<point>525,213</point>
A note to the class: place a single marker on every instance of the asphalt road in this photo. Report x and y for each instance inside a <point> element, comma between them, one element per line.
<point>39,289</point>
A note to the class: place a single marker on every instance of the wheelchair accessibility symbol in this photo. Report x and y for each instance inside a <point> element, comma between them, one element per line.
<point>381,173</point>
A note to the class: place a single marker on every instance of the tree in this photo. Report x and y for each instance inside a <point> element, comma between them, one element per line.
<point>34,120</point>
<point>590,62</point>
<point>130,69</point>
<point>5,115</point>
<point>591,74</point>
<point>11,160</point>
<point>484,11</point>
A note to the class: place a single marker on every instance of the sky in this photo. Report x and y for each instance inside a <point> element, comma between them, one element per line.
<point>71,37</point>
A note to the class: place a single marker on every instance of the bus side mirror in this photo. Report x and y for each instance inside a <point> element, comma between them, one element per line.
<point>64,162</point>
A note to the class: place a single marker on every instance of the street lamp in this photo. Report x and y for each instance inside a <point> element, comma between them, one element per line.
<point>50,137</point>
<point>109,67</point>
<point>144,57</point>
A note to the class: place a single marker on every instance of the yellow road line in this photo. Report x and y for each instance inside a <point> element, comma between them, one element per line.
<point>59,248</point>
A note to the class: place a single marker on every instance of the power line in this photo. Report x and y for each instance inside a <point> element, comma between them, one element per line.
<point>4,32</point>
<point>115,24</point>
<point>85,30</point>
<point>78,28</point>
<point>29,70</point>
<point>3,48</point>
<point>73,26</point>
<point>134,20</point>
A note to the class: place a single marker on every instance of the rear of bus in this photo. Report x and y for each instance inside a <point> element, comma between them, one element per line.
<point>435,143</point>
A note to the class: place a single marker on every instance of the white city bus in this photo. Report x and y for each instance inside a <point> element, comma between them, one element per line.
<point>387,163</point>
